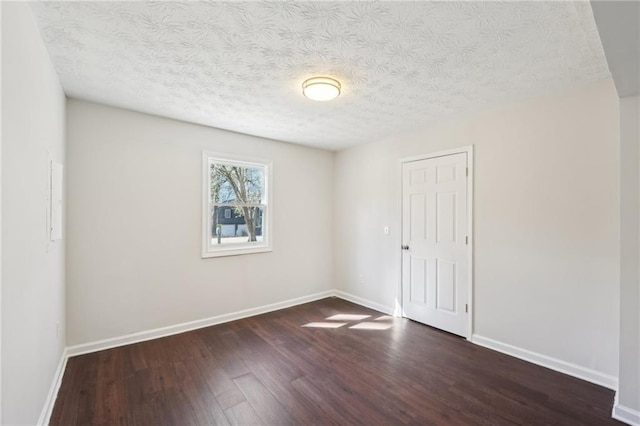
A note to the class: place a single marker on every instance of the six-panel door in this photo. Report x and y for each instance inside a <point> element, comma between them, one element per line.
<point>434,238</point>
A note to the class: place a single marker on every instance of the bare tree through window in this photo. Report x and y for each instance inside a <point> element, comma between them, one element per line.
<point>236,205</point>
<point>240,188</point>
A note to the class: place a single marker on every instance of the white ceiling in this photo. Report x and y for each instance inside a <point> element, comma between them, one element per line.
<point>240,65</point>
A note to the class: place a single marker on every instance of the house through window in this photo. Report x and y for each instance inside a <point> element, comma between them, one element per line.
<point>236,195</point>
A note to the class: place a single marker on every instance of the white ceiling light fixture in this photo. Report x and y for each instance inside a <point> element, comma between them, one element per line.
<point>321,88</point>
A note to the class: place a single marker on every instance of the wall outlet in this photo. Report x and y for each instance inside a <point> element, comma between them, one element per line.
<point>386,230</point>
<point>361,279</point>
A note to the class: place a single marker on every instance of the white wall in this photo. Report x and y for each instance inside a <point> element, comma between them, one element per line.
<point>546,222</point>
<point>33,124</point>
<point>0,219</point>
<point>629,388</point>
<point>134,224</point>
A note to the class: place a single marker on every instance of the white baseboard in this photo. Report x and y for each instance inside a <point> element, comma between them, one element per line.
<point>363,302</point>
<point>142,336</point>
<point>625,414</point>
<point>45,415</point>
<point>571,369</point>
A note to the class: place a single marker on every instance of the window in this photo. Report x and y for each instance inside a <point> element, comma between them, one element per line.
<point>236,216</point>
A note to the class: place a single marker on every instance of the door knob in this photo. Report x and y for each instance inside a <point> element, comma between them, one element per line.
<point>405,247</point>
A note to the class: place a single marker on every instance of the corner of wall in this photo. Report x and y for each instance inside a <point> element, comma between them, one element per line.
<point>628,397</point>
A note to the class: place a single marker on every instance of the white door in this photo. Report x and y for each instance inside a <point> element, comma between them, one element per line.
<point>435,258</point>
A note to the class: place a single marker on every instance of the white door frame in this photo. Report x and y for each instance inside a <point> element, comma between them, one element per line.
<point>462,150</point>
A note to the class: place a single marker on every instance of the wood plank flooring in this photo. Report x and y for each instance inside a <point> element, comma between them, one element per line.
<point>278,369</point>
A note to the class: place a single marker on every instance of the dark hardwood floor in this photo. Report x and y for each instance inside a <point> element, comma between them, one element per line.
<point>272,369</point>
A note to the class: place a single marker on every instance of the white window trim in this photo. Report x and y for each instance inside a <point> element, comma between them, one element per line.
<point>236,249</point>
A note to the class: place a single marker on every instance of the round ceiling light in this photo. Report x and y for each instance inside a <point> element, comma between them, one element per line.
<point>321,88</point>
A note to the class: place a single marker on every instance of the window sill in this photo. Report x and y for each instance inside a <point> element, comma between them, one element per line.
<point>235,251</point>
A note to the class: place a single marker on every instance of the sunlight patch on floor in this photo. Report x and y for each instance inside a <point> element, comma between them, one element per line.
<point>372,326</point>
<point>353,321</point>
<point>384,318</point>
<point>325,324</point>
<point>348,317</point>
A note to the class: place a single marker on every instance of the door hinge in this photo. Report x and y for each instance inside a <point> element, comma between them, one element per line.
<point>467,172</point>
<point>466,308</point>
<point>466,240</point>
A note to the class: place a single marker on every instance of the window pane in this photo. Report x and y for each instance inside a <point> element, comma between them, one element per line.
<point>236,206</point>
<point>244,225</point>
<point>236,184</point>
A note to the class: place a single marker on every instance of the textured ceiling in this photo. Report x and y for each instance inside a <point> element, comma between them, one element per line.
<point>240,65</point>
